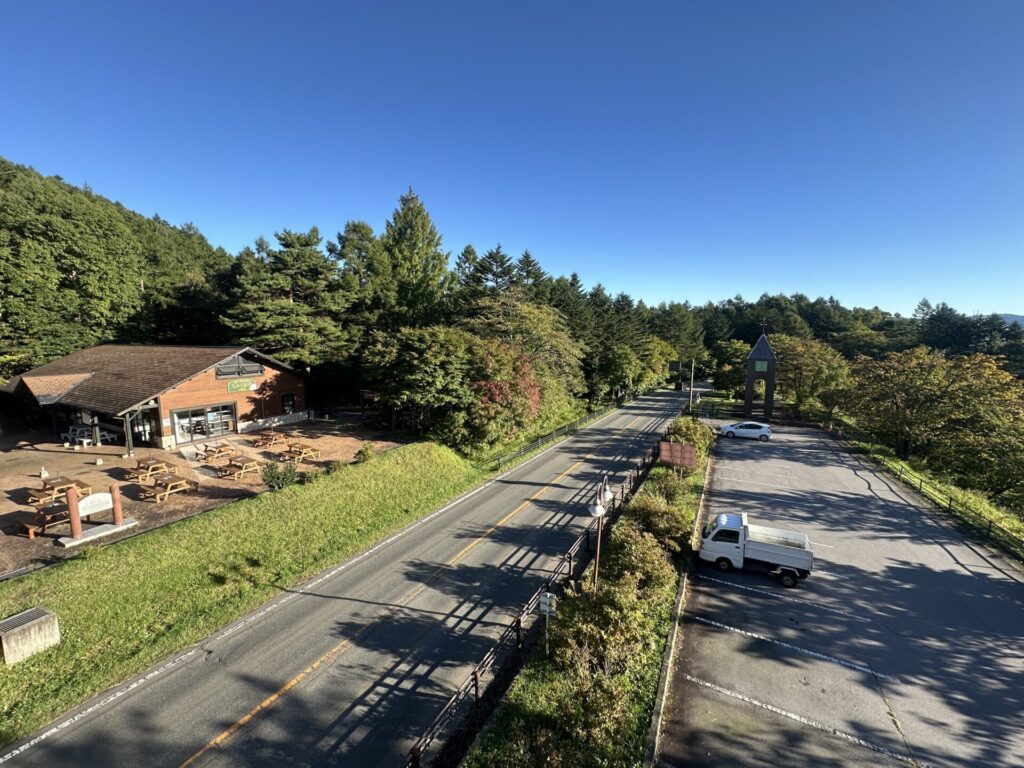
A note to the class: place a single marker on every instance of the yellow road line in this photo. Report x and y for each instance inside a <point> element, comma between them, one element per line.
<point>408,597</point>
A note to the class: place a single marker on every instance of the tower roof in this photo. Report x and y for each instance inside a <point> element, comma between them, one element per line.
<point>762,350</point>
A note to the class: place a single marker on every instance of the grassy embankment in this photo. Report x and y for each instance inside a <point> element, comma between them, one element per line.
<point>125,606</point>
<point>590,702</point>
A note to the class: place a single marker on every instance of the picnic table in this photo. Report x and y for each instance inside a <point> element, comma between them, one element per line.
<point>216,452</point>
<point>238,468</point>
<point>165,483</point>
<point>267,439</point>
<point>146,468</point>
<point>44,517</point>
<point>298,451</point>
<point>55,488</point>
<point>83,433</point>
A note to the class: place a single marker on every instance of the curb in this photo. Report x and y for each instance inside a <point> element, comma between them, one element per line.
<point>668,656</point>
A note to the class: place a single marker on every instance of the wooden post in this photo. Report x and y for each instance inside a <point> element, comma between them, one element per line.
<point>569,574</point>
<point>76,520</point>
<point>415,756</point>
<point>476,683</point>
<point>115,497</point>
<point>519,631</point>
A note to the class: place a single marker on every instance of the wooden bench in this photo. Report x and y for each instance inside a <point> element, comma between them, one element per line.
<point>299,451</point>
<point>267,439</point>
<point>46,517</point>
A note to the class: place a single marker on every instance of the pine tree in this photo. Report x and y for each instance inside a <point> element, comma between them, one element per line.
<point>494,273</point>
<point>533,279</point>
<point>420,267</point>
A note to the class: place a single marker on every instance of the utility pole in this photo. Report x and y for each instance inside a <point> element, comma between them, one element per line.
<point>693,362</point>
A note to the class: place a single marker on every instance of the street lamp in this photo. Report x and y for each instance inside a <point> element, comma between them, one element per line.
<point>597,510</point>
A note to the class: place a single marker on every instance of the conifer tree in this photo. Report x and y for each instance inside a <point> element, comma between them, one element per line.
<point>420,267</point>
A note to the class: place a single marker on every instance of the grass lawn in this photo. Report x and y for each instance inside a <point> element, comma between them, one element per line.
<point>128,605</point>
<point>533,727</point>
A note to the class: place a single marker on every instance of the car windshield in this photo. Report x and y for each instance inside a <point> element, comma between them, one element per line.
<point>709,527</point>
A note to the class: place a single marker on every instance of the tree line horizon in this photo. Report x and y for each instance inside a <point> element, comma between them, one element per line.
<point>473,350</point>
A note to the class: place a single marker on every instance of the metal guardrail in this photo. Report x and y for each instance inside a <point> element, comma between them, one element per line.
<point>567,566</point>
<point>977,522</point>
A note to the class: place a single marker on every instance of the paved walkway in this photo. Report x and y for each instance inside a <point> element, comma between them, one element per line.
<point>905,646</point>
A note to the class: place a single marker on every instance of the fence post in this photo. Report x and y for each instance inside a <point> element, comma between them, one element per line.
<point>414,754</point>
<point>920,485</point>
<point>476,683</point>
<point>949,506</point>
<point>569,573</point>
<point>990,529</point>
<point>519,631</point>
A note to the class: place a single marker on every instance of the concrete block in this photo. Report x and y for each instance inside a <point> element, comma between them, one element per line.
<point>96,532</point>
<point>27,633</point>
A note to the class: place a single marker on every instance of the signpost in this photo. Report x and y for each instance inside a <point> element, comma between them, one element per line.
<point>677,454</point>
<point>548,605</point>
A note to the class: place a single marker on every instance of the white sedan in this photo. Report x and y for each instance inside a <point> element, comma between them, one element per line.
<point>752,429</point>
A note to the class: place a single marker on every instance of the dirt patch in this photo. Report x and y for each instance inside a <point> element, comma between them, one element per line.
<point>23,456</point>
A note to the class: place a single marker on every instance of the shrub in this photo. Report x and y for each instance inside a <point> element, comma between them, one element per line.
<point>278,476</point>
<point>631,549</point>
<point>668,523</point>
<point>663,482</point>
<point>365,453</point>
<point>334,466</point>
<point>687,430</point>
<point>312,476</point>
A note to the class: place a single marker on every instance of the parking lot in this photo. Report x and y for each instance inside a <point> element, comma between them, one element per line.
<point>905,646</point>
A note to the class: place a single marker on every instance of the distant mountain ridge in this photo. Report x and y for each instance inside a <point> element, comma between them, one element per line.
<point>1018,319</point>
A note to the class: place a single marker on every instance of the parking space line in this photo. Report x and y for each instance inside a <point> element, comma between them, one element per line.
<point>797,648</point>
<point>717,476</point>
<point>812,723</point>
<point>787,598</point>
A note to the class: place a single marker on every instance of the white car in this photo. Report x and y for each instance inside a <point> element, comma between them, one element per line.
<point>752,429</point>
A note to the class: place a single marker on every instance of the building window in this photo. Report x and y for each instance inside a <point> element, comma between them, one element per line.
<point>202,423</point>
<point>237,366</point>
<point>760,365</point>
<point>288,403</point>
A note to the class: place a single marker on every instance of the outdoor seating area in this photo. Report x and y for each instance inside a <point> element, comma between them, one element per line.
<point>157,486</point>
<point>84,435</point>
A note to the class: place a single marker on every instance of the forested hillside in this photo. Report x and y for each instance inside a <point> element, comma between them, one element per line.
<point>476,348</point>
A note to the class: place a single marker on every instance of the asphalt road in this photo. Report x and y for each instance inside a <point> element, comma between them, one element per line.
<point>905,646</point>
<point>371,650</point>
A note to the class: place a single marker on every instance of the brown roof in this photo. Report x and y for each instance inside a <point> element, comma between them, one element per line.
<point>114,378</point>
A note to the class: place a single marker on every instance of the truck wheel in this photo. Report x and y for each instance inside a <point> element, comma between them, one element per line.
<point>787,579</point>
<point>763,438</point>
<point>730,434</point>
<point>723,564</point>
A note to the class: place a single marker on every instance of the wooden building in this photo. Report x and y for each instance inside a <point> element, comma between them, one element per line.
<point>165,395</point>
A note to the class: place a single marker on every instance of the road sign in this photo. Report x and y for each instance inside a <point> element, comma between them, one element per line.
<point>677,454</point>
<point>548,603</point>
<point>675,366</point>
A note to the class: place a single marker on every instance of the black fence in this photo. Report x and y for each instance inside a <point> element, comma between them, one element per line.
<point>571,564</point>
<point>550,437</point>
<point>981,525</point>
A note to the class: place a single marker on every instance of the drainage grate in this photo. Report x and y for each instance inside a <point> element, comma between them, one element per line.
<point>21,619</point>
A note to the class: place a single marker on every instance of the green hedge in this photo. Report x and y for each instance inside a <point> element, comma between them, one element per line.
<point>130,604</point>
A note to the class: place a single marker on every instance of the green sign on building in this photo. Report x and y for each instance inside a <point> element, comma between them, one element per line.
<point>240,385</point>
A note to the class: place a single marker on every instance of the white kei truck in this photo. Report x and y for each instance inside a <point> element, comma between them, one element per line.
<point>730,541</point>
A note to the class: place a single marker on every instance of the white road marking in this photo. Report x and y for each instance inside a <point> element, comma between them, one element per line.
<point>98,705</point>
<point>812,723</point>
<point>717,476</point>
<point>277,603</point>
<point>797,648</point>
<point>787,598</point>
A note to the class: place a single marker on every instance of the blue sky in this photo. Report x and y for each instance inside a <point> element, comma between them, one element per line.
<point>873,151</point>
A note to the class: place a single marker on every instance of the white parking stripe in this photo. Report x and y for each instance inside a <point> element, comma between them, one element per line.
<point>797,648</point>
<point>718,476</point>
<point>787,598</point>
<point>812,723</point>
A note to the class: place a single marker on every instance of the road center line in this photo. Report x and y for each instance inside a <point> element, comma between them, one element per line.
<point>231,730</point>
<point>787,598</point>
<point>812,723</point>
<point>797,648</point>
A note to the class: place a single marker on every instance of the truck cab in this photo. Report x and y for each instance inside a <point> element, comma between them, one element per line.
<point>731,541</point>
